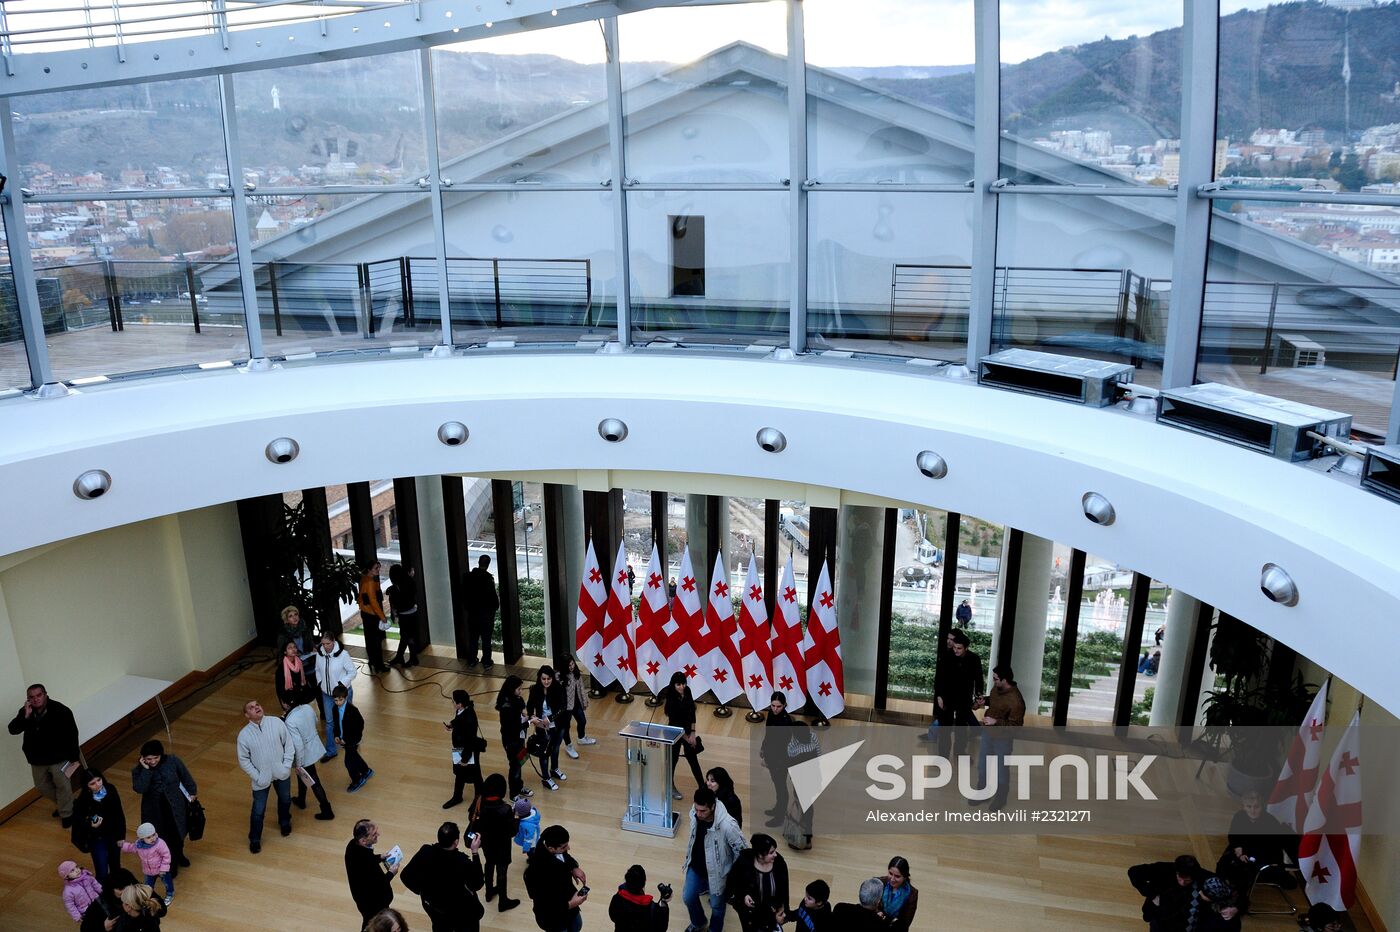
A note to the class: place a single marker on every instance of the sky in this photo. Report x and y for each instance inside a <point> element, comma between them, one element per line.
<point>862,32</point>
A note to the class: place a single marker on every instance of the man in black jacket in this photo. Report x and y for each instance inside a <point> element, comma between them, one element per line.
<point>848,917</point>
<point>632,908</point>
<point>957,680</point>
<point>447,881</point>
<point>50,745</point>
<point>549,879</point>
<point>370,876</point>
<point>1168,889</point>
<point>479,593</point>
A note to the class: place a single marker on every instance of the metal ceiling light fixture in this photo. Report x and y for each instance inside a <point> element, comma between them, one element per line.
<point>1098,509</point>
<point>453,433</point>
<point>1277,585</point>
<point>772,440</point>
<point>94,483</point>
<point>931,464</point>
<point>282,450</point>
<point>612,430</point>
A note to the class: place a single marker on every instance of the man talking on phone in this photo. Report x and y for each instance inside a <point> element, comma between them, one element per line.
<point>447,880</point>
<point>50,746</point>
<point>549,879</point>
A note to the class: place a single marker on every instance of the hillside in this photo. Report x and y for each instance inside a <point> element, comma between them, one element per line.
<point>1279,67</point>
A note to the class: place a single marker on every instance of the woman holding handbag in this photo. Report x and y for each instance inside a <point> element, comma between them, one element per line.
<point>510,703</point>
<point>467,745</point>
<point>167,791</point>
<point>680,713</point>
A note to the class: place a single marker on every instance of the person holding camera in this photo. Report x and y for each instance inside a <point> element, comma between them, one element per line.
<point>633,910</point>
<point>758,886</point>
<point>550,874</point>
<point>446,879</point>
<point>467,746</point>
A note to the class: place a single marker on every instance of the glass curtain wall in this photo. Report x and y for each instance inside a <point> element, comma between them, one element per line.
<point>919,571</point>
<point>14,356</point>
<point>889,113</point>
<point>529,538</point>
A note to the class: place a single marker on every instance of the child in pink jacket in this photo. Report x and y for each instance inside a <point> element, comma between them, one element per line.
<point>155,858</point>
<point>80,888</point>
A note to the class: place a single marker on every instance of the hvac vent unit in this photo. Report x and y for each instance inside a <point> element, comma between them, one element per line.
<point>1091,382</point>
<point>1380,472</point>
<point>1260,422</point>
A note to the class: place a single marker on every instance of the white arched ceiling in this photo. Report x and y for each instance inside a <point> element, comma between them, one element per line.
<point>1199,514</point>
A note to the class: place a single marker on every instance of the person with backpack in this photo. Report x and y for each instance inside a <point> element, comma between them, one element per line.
<point>446,879</point>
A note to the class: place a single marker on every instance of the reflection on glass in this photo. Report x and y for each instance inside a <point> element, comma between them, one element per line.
<point>712,262</point>
<point>166,134</point>
<point>531,265</point>
<point>127,286</point>
<point>706,93</point>
<point>343,122</point>
<point>1085,276</point>
<point>1303,302</point>
<point>872,121</point>
<point>528,108</point>
<point>529,540</point>
<point>1306,92</point>
<point>636,532</point>
<point>919,570</point>
<point>1101,91</point>
<point>344,272</point>
<point>890,272</point>
<point>14,357</point>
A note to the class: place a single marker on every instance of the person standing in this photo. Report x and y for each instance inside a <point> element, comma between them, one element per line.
<point>479,593</point>
<point>494,820</point>
<point>446,880</point>
<point>899,899</point>
<point>334,667</point>
<point>632,908</point>
<point>546,707</point>
<point>167,788</point>
<point>306,744</point>
<point>50,746</point>
<point>99,824</point>
<point>550,873</point>
<point>349,727</point>
<point>292,679</point>
<point>370,875</point>
<point>963,614</point>
<point>778,729</point>
<point>865,917</point>
<point>722,785</point>
<point>956,684</point>
<point>714,845</point>
<point>296,631</point>
<point>758,886</point>
<point>575,701</point>
<point>374,622</point>
<point>1006,709</point>
<point>403,601</point>
<point>680,713</point>
<point>467,747</point>
<point>265,753</point>
<point>510,703</point>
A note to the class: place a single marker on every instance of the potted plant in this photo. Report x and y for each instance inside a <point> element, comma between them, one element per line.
<point>303,570</point>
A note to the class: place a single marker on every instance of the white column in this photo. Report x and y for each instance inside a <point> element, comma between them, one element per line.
<point>1182,612</point>
<point>432,541</point>
<point>1032,605</point>
<point>859,551</point>
<point>986,164</point>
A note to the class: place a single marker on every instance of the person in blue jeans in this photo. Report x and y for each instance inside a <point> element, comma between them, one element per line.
<point>715,843</point>
<point>334,667</point>
<point>265,753</point>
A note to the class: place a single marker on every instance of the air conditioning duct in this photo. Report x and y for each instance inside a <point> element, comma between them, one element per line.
<point>1273,426</point>
<point>1091,382</point>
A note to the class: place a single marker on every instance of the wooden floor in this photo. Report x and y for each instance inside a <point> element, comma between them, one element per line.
<point>298,883</point>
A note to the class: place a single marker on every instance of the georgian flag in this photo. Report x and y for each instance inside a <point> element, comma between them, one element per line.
<point>751,640</point>
<point>1293,792</point>
<point>822,651</point>
<point>655,644</point>
<point>619,650</point>
<point>1332,833</point>
<point>689,619</point>
<point>789,668</point>
<point>588,622</point>
<point>720,661</point>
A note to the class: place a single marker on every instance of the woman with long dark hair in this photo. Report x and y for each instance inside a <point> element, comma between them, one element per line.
<point>722,785</point>
<point>494,819</point>
<point>758,885</point>
<point>293,678</point>
<point>467,746</point>
<point>403,602</point>
<point>99,823</point>
<point>575,684</point>
<point>680,713</point>
<point>900,901</point>
<point>510,703</point>
<point>546,709</point>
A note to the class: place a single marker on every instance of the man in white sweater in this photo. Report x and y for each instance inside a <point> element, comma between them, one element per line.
<point>334,667</point>
<point>266,752</point>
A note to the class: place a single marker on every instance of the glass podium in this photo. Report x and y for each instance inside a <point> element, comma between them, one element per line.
<point>649,778</point>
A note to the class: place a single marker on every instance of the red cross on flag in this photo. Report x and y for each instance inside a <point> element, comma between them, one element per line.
<point>789,669</point>
<point>751,641</point>
<point>1332,832</point>
<point>654,643</point>
<point>588,622</point>
<point>689,619</point>
<point>619,648</point>
<point>720,662</point>
<point>1293,792</point>
<point>821,650</point>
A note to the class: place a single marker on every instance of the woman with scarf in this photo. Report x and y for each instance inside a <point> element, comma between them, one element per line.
<point>899,901</point>
<point>99,823</point>
<point>295,684</point>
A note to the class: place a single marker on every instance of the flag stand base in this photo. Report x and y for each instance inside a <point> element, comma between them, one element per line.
<point>821,721</point>
<point>624,698</point>
<point>596,693</point>
<point>754,717</point>
<point>654,701</point>
<point>723,711</point>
